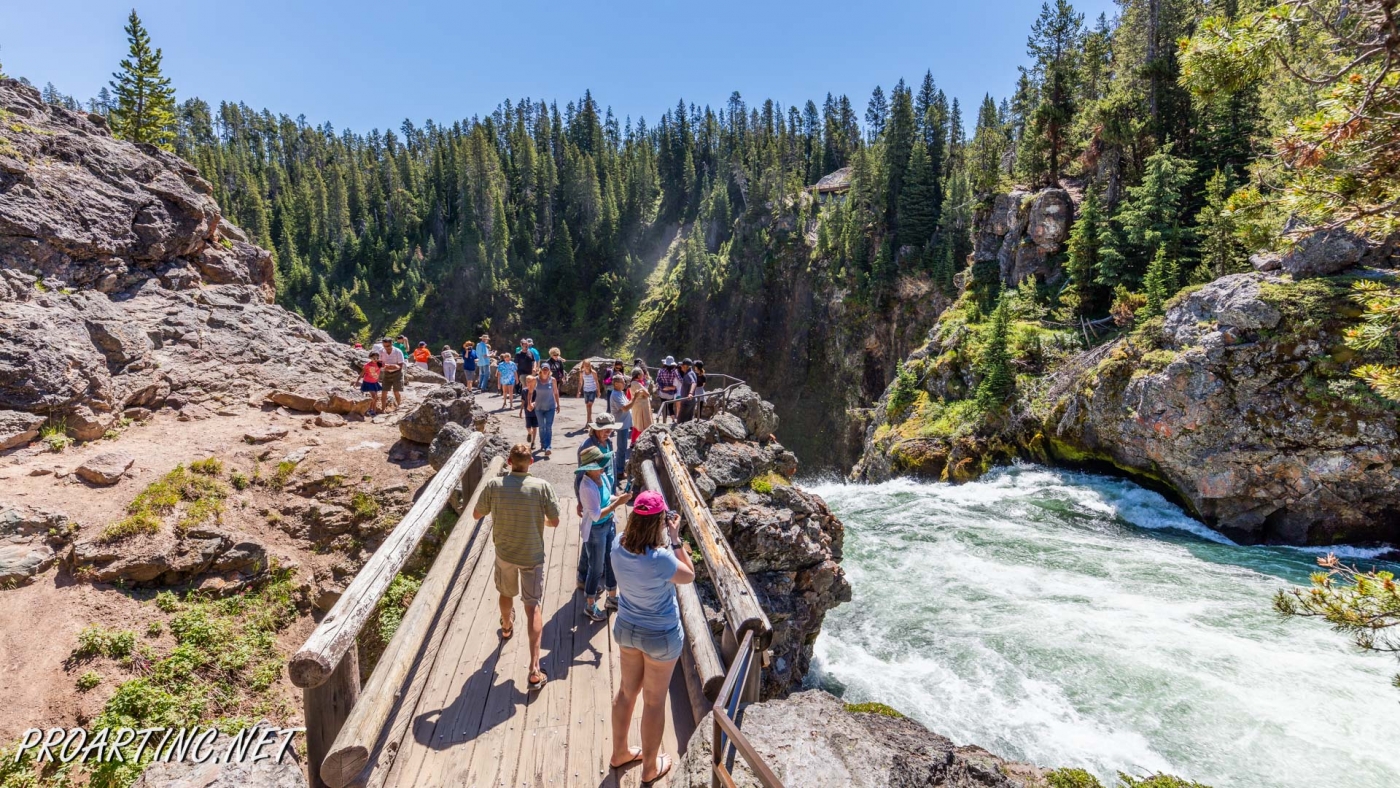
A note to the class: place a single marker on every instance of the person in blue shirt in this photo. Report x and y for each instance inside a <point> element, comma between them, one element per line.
<point>483,361</point>
<point>649,561</point>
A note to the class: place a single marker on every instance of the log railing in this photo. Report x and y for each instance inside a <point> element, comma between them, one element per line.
<point>326,667</point>
<point>747,630</point>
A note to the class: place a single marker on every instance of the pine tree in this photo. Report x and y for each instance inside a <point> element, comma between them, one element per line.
<point>1053,45</point>
<point>918,202</point>
<point>998,380</point>
<point>1082,266</point>
<point>1152,215</point>
<point>899,143</point>
<point>145,102</point>
<point>876,112</point>
<point>1160,283</point>
<point>1221,251</point>
<point>989,145</point>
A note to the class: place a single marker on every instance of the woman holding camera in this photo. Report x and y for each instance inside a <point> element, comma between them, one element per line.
<point>649,560</point>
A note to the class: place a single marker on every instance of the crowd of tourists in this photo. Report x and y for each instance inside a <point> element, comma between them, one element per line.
<point>629,573</point>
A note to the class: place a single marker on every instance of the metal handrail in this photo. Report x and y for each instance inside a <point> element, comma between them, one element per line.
<point>728,738</point>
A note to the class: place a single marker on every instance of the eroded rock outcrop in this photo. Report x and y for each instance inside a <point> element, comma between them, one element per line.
<point>1021,232</point>
<point>115,259</point>
<point>787,540</point>
<point>1239,400</point>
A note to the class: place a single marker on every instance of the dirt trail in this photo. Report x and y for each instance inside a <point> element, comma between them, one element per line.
<point>39,622</point>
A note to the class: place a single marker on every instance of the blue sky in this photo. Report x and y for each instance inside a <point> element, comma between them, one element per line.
<point>371,64</point>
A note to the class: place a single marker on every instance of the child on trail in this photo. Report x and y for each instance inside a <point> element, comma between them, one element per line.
<point>421,355</point>
<point>506,370</point>
<point>369,383</point>
<point>469,366</point>
<point>587,387</point>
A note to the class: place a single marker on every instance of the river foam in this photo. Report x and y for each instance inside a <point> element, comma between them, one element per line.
<point>1070,619</point>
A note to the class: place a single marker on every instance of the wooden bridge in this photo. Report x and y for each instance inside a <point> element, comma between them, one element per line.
<point>447,702</point>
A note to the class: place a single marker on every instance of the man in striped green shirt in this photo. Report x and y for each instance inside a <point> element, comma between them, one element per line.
<point>520,506</point>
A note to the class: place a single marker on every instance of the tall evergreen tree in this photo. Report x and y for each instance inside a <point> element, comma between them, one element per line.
<point>998,379</point>
<point>1221,251</point>
<point>877,112</point>
<point>145,102</point>
<point>1153,215</point>
<point>989,145</point>
<point>1161,282</point>
<point>1082,265</point>
<point>918,202</point>
<point>1053,47</point>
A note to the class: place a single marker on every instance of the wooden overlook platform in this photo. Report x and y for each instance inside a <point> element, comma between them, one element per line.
<point>447,704</point>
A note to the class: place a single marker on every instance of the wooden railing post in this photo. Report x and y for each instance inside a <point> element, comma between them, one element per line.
<point>327,706</point>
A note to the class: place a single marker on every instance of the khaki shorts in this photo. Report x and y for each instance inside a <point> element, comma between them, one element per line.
<point>393,381</point>
<point>526,582</point>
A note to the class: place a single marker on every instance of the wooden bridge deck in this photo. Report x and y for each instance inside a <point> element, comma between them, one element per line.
<point>475,723</point>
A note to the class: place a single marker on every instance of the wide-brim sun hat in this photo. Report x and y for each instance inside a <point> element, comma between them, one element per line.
<point>603,421</point>
<point>649,503</point>
<point>669,361</point>
<point>592,459</point>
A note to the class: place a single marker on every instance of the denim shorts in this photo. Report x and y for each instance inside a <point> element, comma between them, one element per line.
<point>662,646</point>
<point>590,396</point>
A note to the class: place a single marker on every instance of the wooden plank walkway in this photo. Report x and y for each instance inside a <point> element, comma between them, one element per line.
<point>476,725</point>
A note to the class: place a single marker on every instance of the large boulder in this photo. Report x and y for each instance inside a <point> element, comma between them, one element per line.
<point>262,772</point>
<point>1325,253</point>
<point>812,739</point>
<point>18,428</point>
<point>759,418</point>
<point>448,439</point>
<point>106,468</point>
<point>20,563</point>
<point>1022,233</point>
<point>442,405</point>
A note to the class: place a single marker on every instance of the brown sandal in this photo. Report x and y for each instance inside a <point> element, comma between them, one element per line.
<point>536,686</point>
<point>507,631</point>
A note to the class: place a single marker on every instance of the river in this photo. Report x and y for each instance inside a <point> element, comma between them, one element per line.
<point>1071,619</point>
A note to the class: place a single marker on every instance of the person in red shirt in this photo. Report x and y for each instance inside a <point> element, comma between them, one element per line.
<point>369,383</point>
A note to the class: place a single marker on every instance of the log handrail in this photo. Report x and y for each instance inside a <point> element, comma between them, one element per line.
<point>736,594</point>
<point>325,667</point>
<point>368,727</point>
<point>335,635</point>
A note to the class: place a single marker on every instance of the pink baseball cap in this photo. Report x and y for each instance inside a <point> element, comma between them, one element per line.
<point>650,502</point>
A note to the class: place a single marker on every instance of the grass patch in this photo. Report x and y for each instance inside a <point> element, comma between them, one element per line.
<point>874,708</point>
<point>209,466</point>
<point>284,472</point>
<point>196,496</point>
<point>387,617</point>
<point>765,483</point>
<point>95,641</point>
<point>239,480</point>
<point>54,434</point>
<point>904,390</point>
<point>364,506</point>
<point>89,680</point>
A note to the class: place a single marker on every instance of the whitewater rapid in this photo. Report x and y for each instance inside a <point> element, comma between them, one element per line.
<point>1070,619</point>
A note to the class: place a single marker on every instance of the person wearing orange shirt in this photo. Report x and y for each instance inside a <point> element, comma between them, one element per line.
<point>422,354</point>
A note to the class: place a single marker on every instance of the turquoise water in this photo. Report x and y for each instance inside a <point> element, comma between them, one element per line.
<point>1070,619</point>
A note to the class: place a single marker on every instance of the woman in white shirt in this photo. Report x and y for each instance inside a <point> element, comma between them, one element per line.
<point>587,387</point>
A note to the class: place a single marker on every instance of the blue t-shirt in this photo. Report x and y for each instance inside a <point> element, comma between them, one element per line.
<point>646,597</point>
<point>507,371</point>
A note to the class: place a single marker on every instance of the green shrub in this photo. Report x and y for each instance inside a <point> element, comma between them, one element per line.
<point>154,629</point>
<point>285,469</point>
<point>364,506</point>
<point>239,480</point>
<point>904,390</point>
<point>89,680</point>
<point>1071,778</point>
<point>95,641</point>
<point>209,466</point>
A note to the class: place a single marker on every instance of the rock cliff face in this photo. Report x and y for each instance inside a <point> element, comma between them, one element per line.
<point>1023,233</point>
<point>1238,401</point>
<point>121,285</point>
<point>787,540</point>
